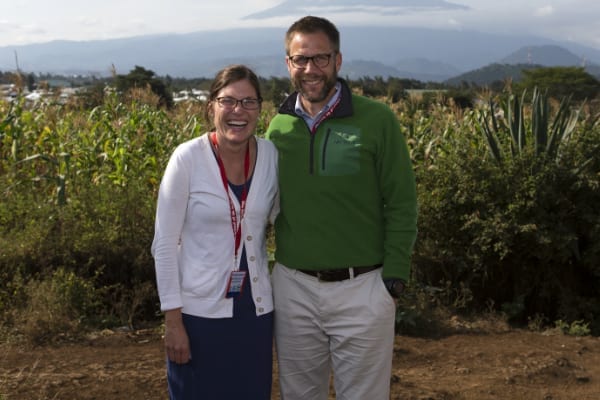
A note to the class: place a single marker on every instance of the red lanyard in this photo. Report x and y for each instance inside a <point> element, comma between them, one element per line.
<point>235,225</point>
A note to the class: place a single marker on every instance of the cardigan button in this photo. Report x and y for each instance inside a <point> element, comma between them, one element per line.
<point>252,258</point>
<point>249,237</point>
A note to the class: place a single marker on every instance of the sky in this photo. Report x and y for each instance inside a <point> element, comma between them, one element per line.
<point>39,21</point>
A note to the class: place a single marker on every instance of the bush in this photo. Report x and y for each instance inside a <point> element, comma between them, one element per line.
<point>107,163</point>
<point>57,306</point>
<point>518,233</point>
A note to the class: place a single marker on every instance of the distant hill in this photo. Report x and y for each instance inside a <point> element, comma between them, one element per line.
<point>548,55</point>
<point>495,72</point>
<point>415,53</point>
<point>552,56</point>
<point>528,57</point>
<point>426,70</point>
<point>418,69</point>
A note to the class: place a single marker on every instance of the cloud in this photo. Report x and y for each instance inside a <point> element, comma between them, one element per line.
<point>374,7</point>
<point>544,11</point>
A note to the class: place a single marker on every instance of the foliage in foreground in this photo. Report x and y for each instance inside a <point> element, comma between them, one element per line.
<point>78,193</point>
<point>515,236</point>
<point>511,211</point>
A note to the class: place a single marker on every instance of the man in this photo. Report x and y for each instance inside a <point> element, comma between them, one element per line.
<point>346,227</point>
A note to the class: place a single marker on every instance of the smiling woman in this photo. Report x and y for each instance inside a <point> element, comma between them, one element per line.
<point>216,197</point>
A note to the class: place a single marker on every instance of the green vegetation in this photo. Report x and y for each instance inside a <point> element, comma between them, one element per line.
<point>510,210</point>
<point>78,195</point>
<point>509,193</point>
<point>512,124</point>
<point>561,82</point>
<point>141,78</point>
<point>575,328</point>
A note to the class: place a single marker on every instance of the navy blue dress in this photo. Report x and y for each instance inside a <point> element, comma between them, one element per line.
<point>232,358</point>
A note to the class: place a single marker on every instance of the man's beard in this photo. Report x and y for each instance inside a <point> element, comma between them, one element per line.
<point>328,85</point>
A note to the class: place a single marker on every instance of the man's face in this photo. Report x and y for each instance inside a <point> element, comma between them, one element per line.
<point>315,83</point>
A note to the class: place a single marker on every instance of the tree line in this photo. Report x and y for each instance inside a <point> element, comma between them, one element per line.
<point>556,81</point>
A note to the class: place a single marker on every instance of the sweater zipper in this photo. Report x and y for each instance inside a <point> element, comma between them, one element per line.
<point>324,155</point>
<point>313,131</point>
<point>311,154</point>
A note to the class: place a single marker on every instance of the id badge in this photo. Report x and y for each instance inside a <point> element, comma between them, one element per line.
<point>236,283</point>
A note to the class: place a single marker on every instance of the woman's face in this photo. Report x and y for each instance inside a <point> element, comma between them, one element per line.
<point>235,123</point>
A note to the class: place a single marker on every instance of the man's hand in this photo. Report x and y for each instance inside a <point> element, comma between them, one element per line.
<point>394,286</point>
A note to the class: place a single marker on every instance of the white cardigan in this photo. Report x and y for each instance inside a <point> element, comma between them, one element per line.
<point>193,240</point>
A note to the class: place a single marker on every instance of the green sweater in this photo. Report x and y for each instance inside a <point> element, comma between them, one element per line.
<point>347,191</point>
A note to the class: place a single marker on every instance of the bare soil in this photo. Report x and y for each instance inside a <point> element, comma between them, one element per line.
<point>468,365</point>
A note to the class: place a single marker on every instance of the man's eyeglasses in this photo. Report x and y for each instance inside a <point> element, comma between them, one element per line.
<point>319,60</point>
<point>230,103</point>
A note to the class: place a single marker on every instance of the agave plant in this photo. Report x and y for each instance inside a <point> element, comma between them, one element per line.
<point>510,119</point>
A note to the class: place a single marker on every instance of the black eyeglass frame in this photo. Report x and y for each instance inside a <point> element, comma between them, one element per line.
<point>245,102</point>
<point>325,57</point>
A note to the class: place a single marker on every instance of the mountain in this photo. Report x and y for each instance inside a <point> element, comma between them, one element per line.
<point>416,53</point>
<point>548,55</point>
<point>382,7</point>
<point>495,72</point>
<point>426,70</point>
<point>527,57</point>
<point>418,69</point>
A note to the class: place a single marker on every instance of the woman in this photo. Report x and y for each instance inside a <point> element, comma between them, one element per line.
<point>216,197</point>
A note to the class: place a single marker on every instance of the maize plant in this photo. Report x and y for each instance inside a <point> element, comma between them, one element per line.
<point>58,148</point>
<point>57,172</point>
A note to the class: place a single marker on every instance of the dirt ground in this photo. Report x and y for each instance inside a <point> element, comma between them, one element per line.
<point>469,365</point>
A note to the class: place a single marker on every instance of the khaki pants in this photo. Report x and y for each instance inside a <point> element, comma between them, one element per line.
<point>346,327</point>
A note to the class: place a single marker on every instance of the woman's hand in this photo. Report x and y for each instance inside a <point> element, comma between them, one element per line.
<point>177,344</point>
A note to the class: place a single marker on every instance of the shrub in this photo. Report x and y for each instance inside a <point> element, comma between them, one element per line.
<point>519,232</point>
<point>576,328</point>
<point>57,306</point>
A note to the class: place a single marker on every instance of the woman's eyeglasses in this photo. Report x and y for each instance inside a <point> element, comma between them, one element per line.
<point>230,102</point>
